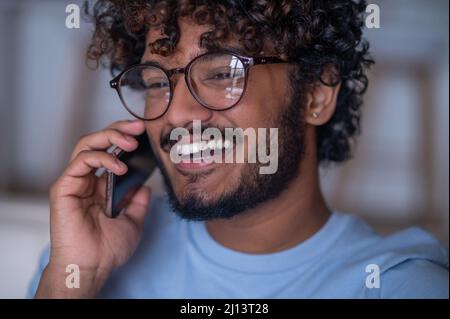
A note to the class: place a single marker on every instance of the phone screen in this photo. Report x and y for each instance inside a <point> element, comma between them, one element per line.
<point>120,189</point>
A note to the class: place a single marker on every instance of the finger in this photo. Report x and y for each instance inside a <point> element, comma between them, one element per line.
<point>138,207</point>
<point>133,127</point>
<point>88,161</point>
<point>103,139</point>
<point>76,181</point>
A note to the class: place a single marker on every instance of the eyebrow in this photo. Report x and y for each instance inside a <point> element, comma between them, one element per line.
<point>195,54</point>
<point>158,61</point>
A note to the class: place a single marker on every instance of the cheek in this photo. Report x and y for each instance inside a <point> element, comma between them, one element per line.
<point>154,133</point>
<point>258,106</point>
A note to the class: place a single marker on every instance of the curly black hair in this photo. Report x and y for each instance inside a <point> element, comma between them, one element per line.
<point>313,34</point>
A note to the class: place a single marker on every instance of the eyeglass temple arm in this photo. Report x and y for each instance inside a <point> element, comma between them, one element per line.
<point>267,60</point>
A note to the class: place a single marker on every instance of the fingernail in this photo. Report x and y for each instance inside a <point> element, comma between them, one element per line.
<point>120,164</point>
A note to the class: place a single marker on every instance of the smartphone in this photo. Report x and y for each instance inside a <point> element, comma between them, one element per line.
<point>120,189</point>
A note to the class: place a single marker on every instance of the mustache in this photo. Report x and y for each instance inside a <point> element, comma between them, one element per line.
<point>166,143</point>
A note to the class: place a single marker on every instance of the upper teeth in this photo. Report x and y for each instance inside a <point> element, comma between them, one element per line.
<point>187,149</point>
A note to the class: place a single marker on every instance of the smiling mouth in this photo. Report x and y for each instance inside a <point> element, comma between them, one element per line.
<point>202,155</point>
<point>195,150</point>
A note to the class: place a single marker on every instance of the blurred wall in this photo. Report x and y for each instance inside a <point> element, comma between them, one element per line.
<point>48,98</point>
<point>400,174</point>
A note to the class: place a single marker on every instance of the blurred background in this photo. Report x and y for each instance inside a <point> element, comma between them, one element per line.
<point>48,98</point>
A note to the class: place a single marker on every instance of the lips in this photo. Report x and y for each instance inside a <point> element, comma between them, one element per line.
<point>195,167</point>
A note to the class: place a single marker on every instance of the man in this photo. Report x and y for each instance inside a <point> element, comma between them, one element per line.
<point>297,66</point>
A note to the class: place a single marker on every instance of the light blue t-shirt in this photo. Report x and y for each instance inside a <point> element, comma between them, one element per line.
<point>179,259</point>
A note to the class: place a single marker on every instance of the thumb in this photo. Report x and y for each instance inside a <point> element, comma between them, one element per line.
<point>138,207</point>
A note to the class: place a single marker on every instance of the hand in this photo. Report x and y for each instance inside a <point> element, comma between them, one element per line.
<point>80,232</point>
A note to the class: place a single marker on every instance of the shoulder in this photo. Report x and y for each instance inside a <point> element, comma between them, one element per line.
<point>415,278</point>
<point>416,266</point>
<point>411,263</point>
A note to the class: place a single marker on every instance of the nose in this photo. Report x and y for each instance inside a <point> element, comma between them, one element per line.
<point>184,108</point>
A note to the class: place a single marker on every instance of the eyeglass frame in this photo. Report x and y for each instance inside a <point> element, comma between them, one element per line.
<point>247,62</point>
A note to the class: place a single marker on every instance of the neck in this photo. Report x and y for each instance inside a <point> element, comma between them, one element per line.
<point>291,218</point>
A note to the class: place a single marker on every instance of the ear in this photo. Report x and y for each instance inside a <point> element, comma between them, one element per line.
<point>322,98</point>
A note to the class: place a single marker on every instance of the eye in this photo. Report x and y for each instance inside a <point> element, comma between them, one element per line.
<point>156,84</point>
<point>224,74</point>
<point>219,75</point>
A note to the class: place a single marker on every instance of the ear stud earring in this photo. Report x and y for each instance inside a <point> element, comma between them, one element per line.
<point>315,115</point>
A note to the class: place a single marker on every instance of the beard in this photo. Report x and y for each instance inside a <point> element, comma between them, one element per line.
<point>252,187</point>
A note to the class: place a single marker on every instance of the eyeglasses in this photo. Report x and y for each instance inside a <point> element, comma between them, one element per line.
<point>217,81</point>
